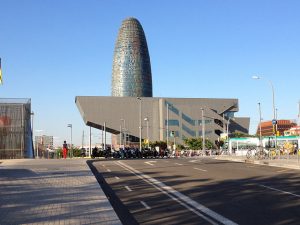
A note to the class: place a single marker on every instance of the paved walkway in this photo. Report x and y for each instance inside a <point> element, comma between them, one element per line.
<point>40,191</point>
<point>291,163</point>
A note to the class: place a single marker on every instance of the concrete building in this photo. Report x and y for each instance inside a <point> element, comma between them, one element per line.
<point>183,116</point>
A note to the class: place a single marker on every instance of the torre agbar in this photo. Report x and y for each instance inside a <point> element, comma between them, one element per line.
<point>131,74</point>
<point>132,113</point>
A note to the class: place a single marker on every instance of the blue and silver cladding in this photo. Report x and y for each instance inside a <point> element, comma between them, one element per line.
<point>131,75</point>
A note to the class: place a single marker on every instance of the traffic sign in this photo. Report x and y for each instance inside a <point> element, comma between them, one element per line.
<point>274,121</point>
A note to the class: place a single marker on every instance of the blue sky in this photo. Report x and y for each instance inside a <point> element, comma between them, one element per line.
<point>54,50</point>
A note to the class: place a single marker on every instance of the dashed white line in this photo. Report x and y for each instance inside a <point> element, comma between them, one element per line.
<point>280,171</point>
<point>193,161</point>
<point>275,189</point>
<point>200,169</point>
<point>182,199</point>
<point>150,163</point>
<point>118,178</point>
<point>179,164</point>
<point>128,188</point>
<point>145,205</point>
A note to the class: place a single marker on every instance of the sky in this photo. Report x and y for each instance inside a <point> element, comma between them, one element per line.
<point>55,50</point>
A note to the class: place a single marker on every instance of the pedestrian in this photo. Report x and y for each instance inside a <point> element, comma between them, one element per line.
<point>65,150</point>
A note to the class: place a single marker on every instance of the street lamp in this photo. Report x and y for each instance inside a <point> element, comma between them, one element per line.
<point>147,122</point>
<point>203,131</point>
<point>167,125</point>
<point>140,127</point>
<point>124,133</point>
<point>273,99</point>
<point>259,108</point>
<point>32,115</point>
<point>71,154</point>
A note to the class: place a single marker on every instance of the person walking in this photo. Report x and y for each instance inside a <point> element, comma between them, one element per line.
<point>65,150</point>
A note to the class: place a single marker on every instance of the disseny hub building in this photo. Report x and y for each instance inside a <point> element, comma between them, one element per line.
<point>131,113</point>
<point>161,119</point>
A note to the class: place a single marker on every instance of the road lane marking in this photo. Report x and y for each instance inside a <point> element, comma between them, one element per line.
<point>150,163</point>
<point>128,188</point>
<point>108,170</point>
<point>145,205</point>
<point>194,160</point>
<point>193,206</point>
<point>200,169</point>
<point>118,178</point>
<point>275,189</point>
<point>280,171</point>
<point>179,164</point>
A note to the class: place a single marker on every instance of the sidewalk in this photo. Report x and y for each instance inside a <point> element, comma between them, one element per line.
<point>291,163</point>
<point>56,191</point>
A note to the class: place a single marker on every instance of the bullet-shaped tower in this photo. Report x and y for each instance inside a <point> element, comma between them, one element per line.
<point>131,74</point>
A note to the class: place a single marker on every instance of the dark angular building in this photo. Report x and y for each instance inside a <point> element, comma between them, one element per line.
<point>131,75</point>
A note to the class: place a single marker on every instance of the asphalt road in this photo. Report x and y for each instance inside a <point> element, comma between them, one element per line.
<point>199,191</point>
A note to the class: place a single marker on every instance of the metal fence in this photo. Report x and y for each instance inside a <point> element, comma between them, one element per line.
<point>15,129</point>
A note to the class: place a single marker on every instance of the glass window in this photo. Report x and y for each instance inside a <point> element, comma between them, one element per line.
<point>172,123</point>
<point>188,130</point>
<point>188,119</point>
<point>172,108</point>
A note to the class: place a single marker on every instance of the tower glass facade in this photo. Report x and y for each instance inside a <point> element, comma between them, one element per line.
<point>131,75</point>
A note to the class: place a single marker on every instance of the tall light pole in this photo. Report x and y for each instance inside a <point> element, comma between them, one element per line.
<point>32,116</point>
<point>167,125</point>
<point>259,108</point>
<point>140,127</point>
<point>124,131</point>
<point>71,153</point>
<point>147,122</point>
<point>273,100</point>
<point>203,131</point>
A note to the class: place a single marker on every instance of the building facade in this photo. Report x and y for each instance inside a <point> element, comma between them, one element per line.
<point>159,117</point>
<point>267,128</point>
<point>131,73</point>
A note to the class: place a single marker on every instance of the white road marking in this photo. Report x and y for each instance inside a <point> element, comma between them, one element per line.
<point>145,205</point>
<point>108,170</point>
<point>200,169</point>
<point>179,164</point>
<point>280,171</point>
<point>150,163</point>
<point>128,188</point>
<point>275,189</point>
<point>118,178</point>
<point>182,199</point>
<point>193,161</point>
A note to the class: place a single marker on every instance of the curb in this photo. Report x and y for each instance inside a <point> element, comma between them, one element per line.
<point>264,163</point>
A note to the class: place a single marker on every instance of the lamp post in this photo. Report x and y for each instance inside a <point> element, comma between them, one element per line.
<point>203,131</point>
<point>273,100</point>
<point>124,132</point>
<point>32,116</point>
<point>259,108</point>
<point>147,122</point>
<point>167,125</point>
<point>71,153</point>
<point>140,127</point>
